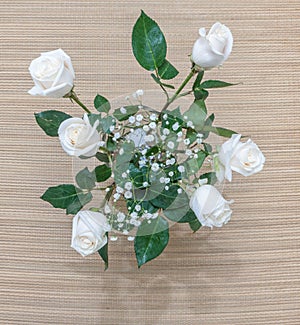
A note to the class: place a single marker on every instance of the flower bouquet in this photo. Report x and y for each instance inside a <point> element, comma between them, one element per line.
<point>155,165</point>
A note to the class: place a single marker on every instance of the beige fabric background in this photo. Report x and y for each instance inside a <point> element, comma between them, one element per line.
<point>245,273</point>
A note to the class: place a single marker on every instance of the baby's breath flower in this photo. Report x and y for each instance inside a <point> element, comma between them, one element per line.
<point>137,94</point>
<point>149,138</point>
<point>138,207</point>
<point>139,117</point>
<point>119,189</point>
<point>146,128</point>
<point>152,125</point>
<point>128,186</point>
<point>128,195</point>
<point>155,167</point>
<point>171,145</point>
<point>131,119</point>
<point>188,152</point>
<point>120,217</point>
<point>117,135</point>
<point>123,110</point>
<point>116,196</point>
<point>181,169</point>
<point>166,131</point>
<point>175,126</point>
<point>153,117</point>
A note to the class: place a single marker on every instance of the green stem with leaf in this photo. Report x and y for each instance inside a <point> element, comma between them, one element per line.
<point>177,93</point>
<point>73,96</point>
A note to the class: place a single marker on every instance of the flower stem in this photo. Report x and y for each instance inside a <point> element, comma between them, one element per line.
<point>186,80</point>
<point>72,95</point>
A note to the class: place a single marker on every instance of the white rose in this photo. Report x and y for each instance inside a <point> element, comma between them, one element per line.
<point>244,158</point>
<point>52,74</point>
<point>78,137</point>
<point>212,50</point>
<point>89,232</point>
<point>210,207</point>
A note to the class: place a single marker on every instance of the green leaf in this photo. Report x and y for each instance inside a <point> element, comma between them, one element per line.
<point>148,43</point>
<point>165,197</point>
<point>157,80</point>
<point>208,122</point>
<point>219,131</point>
<point>138,175</point>
<point>145,205</point>
<point>106,123</point>
<point>127,153</point>
<point>211,177</point>
<point>50,121</point>
<point>151,239</point>
<point>198,79</point>
<point>208,148</point>
<point>189,217</point>
<point>200,93</point>
<point>85,179</point>
<point>93,118</point>
<point>67,196</point>
<point>101,104</point>
<point>167,71</point>
<point>102,173</point>
<point>193,165</point>
<point>197,114</point>
<point>195,225</point>
<point>102,157</point>
<point>179,210</point>
<point>130,110</point>
<point>168,86</point>
<point>191,135</point>
<point>173,117</point>
<point>215,84</point>
<point>152,151</point>
<point>110,144</point>
<point>103,252</point>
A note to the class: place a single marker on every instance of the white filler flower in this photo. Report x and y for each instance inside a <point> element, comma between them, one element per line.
<point>52,73</point>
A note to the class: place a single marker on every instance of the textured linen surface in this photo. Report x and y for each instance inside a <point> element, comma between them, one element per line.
<point>245,273</point>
